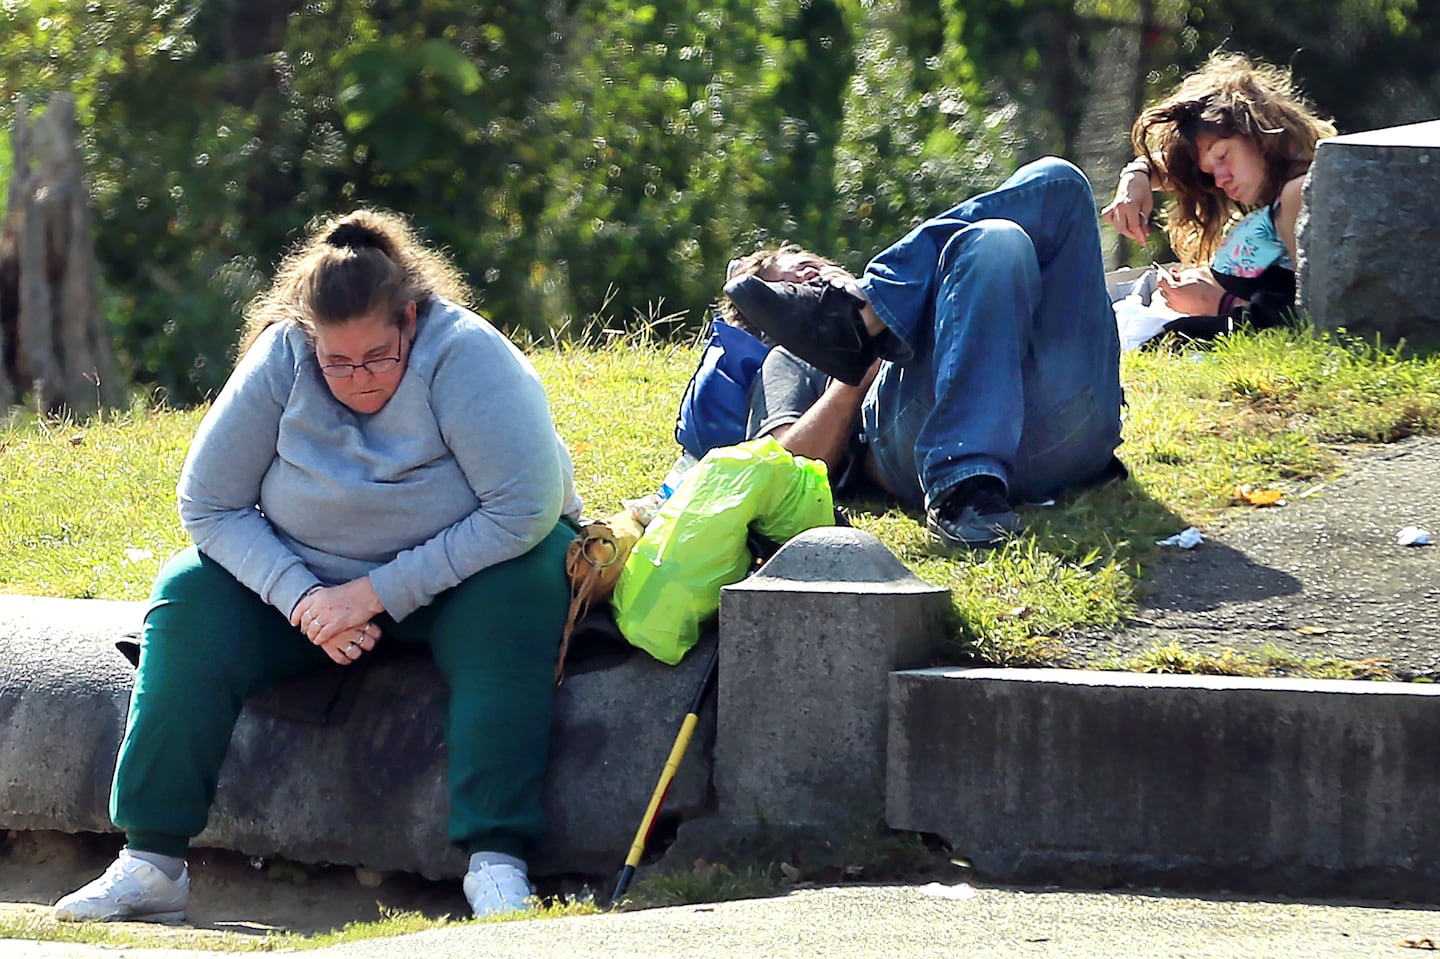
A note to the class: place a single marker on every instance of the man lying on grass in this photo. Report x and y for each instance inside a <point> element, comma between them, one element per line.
<point>974,365</point>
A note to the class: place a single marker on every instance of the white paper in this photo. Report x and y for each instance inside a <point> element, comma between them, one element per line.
<point>960,891</point>
<point>1413,536</point>
<point>1187,538</point>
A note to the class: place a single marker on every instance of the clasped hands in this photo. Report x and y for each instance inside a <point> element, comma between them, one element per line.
<point>339,619</point>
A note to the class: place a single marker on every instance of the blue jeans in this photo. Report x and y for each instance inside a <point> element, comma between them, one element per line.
<point>1005,358</point>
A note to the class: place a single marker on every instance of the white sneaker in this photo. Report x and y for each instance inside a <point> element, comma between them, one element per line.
<point>496,889</point>
<point>131,889</point>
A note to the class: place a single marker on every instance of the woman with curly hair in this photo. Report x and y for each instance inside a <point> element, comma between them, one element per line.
<point>1231,145</point>
<point>381,466</point>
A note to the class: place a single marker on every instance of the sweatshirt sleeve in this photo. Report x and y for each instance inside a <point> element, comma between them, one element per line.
<point>219,490</point>
<point>495,419</point>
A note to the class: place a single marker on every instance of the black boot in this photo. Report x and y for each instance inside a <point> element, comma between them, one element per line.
<point>976,513</point>
<point>817,321</point>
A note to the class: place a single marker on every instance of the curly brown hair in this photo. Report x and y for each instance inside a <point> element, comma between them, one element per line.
<point>1229,96</point>
<point>352,266</point>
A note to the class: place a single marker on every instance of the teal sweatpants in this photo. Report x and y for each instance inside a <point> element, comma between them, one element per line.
<point>209,643</point>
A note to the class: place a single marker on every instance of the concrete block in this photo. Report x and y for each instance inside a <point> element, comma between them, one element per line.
<point>1283,786</point>
<point>805,647</point>
<point>1366,234</point>
<point>368,792</point>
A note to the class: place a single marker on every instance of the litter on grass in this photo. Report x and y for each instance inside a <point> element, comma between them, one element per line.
<point>1413,536</point>
<point>1187,538</point>
<point>1259,497</point>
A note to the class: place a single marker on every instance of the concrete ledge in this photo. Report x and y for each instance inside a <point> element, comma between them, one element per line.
<point>806,646</point>
<point>1267,785</point>
<point>1366,224</point>
<point>368,792</point>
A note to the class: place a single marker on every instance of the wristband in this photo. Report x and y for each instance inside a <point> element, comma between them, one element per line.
<point>1137,165</point>
<point>1227,300</point>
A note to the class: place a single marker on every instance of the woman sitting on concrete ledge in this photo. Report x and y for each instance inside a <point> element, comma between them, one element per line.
<point>1231,145</point>
<point>381,465</point>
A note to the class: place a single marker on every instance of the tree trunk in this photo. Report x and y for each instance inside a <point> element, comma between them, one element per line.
<point>56,341</point>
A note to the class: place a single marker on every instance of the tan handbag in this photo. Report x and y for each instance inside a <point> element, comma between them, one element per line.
<point>593,563</point>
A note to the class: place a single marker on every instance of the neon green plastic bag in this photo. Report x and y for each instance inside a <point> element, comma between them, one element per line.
<point>696,544</point>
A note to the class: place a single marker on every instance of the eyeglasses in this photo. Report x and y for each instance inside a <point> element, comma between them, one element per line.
<point>377,366</point>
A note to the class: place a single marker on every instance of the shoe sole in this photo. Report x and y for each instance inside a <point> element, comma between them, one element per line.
<point>849,363</point>
<point>161,917</point>
<point>951,543</point>
<point>151,917</point>
<point>947,545</point>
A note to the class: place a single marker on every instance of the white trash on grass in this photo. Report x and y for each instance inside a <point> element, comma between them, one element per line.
<point>1187,538</point>
<point>1413,536</point>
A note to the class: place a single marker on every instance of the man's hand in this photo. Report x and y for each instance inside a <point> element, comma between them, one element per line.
<point>804,269</point>
<point>823,431</point>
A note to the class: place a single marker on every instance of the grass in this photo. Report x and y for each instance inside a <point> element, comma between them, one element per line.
<point>87,509</point>
<point>1268,661</point>
<point>867,851</point>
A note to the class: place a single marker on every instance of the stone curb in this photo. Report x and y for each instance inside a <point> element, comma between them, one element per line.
<point>369,791</point>
<point>1297,787</point>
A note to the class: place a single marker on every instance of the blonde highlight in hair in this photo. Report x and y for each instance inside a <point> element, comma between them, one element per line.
<point>352,266</point>
<point>1229,96</point>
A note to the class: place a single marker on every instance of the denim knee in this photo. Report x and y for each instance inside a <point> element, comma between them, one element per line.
<point>1059,170</point>
<point>989,244</point>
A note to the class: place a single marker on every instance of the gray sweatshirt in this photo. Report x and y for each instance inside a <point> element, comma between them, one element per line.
<point>285,487</point>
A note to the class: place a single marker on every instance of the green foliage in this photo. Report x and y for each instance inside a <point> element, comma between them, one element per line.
<point>654,107</point>
<point>596,151</point>
<point>566,155</point>
<point>1037,52</point>
<point>1367,63</point>
<point>920,134</point>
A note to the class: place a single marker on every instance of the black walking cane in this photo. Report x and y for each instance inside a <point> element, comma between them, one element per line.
<point>667,776</point>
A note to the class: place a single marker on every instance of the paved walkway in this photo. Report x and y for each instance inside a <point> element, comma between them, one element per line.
<point>1320,577</point>
<point>886,922</point>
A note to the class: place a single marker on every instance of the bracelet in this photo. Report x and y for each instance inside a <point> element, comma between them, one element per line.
<point>1137,165</point>
<point>1227,300</point>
